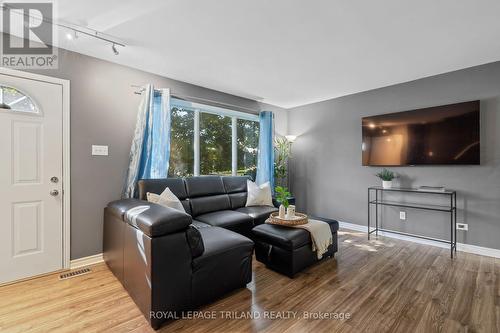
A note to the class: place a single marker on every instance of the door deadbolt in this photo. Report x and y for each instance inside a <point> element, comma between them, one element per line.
<point>54,179</point>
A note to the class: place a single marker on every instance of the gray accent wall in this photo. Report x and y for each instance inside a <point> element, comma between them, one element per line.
<point>328,179</point>
<point>103,112</point>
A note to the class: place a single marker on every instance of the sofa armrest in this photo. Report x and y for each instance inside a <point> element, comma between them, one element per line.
<point>120,207</point>
<point>152,219</point>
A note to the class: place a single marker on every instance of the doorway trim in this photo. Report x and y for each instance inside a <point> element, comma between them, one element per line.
<point>66,138</point>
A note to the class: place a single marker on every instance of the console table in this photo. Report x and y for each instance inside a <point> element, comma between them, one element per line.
<point>375,197</point>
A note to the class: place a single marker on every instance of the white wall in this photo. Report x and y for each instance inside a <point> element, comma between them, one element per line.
<point>281,122</point>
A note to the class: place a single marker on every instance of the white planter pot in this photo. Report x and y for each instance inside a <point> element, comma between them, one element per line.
<point>386,183</point>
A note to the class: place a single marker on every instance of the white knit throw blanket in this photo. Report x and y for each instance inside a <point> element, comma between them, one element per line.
<point>321,236</point>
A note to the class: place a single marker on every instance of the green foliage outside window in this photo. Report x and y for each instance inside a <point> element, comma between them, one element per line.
<point>181,143</point>
<point>248,144</point>
<point>215,144</point>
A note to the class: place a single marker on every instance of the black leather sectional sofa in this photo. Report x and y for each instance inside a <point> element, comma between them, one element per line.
<point>170,261</point>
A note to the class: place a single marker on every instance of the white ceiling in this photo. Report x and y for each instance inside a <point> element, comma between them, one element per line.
<point>291,52</point>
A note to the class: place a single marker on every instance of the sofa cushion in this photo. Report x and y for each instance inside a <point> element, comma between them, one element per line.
<point>259,195</point>
<point>285,237</point>
<point>157,186</point>
<point>236,188</point>
<point>288,238</point>
<point>229,219</point>
<point>187,206</point>
<point>204,186</point>
<point>195,241</point>
<point>238,199</point>
<point>225,264</point>
<point>199,225</point>
<point>258,213</point>
<point>176,185</point>
<point>167,199</point>
<point>234,184</point>
<point>219,241</point>
<point>212,203</point>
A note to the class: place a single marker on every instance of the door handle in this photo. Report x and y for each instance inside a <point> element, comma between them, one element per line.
<point>54,193</point>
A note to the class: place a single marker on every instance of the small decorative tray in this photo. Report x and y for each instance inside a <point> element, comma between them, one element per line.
<point>298,219</point>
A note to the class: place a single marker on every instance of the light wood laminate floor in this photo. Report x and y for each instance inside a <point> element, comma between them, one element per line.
<point>386,285</point>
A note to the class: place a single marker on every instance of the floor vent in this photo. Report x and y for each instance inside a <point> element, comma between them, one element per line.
<point>73,274</point>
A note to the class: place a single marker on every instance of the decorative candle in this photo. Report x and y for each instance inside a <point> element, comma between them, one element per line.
<point>282,212</point>
<point>290,212</point>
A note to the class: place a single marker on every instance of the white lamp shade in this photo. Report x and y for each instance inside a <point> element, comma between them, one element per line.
<point>291,138</point>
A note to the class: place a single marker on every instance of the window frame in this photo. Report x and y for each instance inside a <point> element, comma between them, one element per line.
<point>199,108</point>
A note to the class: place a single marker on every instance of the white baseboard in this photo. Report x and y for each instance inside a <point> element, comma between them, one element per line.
<point>86,261</point>
<point>468,248</point>
<point>484,251</point>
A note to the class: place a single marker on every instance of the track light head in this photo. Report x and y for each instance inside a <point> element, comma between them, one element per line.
<point>71,35</point>
<point>115,51</point>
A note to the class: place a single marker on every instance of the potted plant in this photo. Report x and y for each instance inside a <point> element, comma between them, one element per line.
<point>387,176</point>
<point>282,196</point>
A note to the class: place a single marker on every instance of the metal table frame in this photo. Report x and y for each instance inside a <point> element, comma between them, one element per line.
<point>451,209</point>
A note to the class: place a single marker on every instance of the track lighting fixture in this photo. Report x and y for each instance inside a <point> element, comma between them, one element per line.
<point>115,51</point>
<point>72,31</point>
<point>71,35</point>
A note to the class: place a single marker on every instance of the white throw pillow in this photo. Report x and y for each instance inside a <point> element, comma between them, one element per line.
<point>167,199</point>
<point>259,195</point>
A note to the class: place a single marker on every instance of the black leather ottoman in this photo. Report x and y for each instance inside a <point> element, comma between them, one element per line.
<point>289,250</point>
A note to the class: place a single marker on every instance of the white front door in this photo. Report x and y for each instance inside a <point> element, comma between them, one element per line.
<point>31,171</point>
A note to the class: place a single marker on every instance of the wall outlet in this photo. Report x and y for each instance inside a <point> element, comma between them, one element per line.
<point>402,216</point>
<point>99,150</point>
<point>462,226</point>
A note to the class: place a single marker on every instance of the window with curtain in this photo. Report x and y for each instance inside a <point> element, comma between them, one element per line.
<point>203,141</point>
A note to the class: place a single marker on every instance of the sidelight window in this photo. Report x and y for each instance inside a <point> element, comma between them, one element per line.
<point>14,100</point>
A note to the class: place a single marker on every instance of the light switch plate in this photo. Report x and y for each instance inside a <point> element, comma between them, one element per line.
<point>462,226</point>
<point>99,150</point>
<point>402,216</point>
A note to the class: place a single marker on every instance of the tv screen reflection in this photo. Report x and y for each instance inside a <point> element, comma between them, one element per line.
<point>448,134</point>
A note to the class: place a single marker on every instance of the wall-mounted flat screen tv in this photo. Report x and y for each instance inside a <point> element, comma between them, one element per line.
<point>441,135</point>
